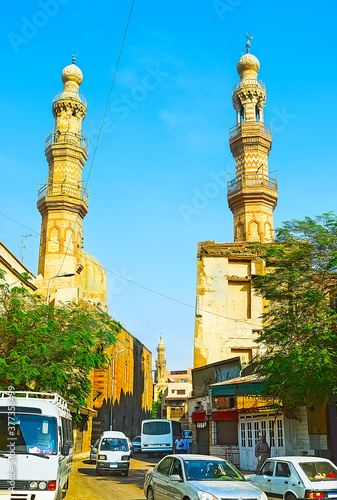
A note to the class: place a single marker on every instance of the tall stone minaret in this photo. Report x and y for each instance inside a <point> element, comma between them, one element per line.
<point>161,363</point>
<point>63,201</point>
<point>252,193</point>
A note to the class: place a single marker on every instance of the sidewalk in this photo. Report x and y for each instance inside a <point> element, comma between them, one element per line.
<point>81,456</point>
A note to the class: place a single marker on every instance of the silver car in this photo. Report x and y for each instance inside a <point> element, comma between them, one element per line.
<point>198,477</point>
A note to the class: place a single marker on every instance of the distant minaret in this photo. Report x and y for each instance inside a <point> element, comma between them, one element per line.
<point>161,363</point>
<point>252,194</point>
<point>62,201</point>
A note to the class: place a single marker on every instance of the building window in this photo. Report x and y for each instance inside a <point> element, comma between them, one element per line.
<point>181,391</point>
<point>249,434</point>
<point>243,435</point>
<point>279,434</point>
<point>256,432</point>
<point>271,433</point>
<point>239,300</point>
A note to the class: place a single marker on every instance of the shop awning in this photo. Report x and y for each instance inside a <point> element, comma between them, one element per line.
<point>198,416</point>
<point>225,415</point>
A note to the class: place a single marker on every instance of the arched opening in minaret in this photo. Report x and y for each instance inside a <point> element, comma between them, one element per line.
<point>257,114</point>
<point>242,114</point>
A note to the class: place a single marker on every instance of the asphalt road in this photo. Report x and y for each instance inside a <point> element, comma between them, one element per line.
<point>85,484</point>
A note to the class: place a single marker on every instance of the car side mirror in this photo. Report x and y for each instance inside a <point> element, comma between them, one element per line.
<point>65,450</point>
<point>176,478</point>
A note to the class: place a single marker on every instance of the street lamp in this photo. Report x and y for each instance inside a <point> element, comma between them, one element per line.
<point>112,384</point>
<point>65,275</point>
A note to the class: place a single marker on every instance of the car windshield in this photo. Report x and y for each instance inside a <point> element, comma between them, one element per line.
<point>215,470</point>
<point>28,434</point>
<point>114,444</point>
<point>319,471</point>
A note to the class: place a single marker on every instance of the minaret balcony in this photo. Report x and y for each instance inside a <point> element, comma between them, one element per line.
<point>248,83</point>
<point>63,189</point>
<point>67,138</point>
<point>70,94</point>
<point>249,128</point>
<point>252,181</point>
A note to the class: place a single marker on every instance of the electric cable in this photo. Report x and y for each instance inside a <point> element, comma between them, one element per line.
<point>151,290</point>
<point>100,130</point>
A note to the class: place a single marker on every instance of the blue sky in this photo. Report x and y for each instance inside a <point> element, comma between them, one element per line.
<point>157,182</point>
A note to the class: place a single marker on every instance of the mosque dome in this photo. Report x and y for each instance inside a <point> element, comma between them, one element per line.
<point>93,281</point>
<point>248,66</point>
<point>72,73</point>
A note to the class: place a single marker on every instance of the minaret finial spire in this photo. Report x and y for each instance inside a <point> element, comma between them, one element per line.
<point>249,37</point>
<point>73,55</point>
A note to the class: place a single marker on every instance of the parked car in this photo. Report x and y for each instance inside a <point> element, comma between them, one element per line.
<point>93,451</point>
<point>198,477</point>
<point>136,445</point>
<point>297,477</point>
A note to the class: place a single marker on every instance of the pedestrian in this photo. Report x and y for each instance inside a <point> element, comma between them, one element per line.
<point>186,445</point>
<point>178,445</point>
<point>262,452</point>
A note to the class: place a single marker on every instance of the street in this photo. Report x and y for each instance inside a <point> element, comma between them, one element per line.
<point>85,484</point>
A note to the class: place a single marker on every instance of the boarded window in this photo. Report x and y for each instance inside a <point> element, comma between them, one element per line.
<point>239,306</point>
<point>227,432</point>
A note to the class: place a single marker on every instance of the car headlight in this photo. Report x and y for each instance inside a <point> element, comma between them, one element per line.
<point>263,496</point>
<point>33,485</point>
<point>126,457</point>
<point>101,457</point>
<point>203,495</point>
<point>42,485</point>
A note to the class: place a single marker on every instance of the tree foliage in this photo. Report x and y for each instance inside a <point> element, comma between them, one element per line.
<point>300,360</point>
<point>50,349</point>
<point>156,406</point>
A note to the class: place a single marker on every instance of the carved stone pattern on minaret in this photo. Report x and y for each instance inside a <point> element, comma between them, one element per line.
<point>254,94</point>
<point>69,106</point>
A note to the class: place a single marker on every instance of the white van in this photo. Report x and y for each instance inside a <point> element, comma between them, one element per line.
<point>113,453</point>
<point>36,445</point>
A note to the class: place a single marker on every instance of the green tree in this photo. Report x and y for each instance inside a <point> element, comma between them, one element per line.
<point>46,348</point>
<point>299,332</point>
<point>156,406</point>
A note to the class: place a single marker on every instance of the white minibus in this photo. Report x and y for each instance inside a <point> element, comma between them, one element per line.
<point>159,435</point>
<point>113,453</point>
<point>36,445</point>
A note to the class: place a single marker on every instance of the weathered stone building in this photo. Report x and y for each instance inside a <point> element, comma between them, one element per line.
<point>228,313</point>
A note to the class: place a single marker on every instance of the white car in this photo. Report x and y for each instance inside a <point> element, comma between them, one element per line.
<point>289,478</point>
<point>198,477</point>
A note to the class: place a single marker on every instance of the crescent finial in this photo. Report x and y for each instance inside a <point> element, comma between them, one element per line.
<point>249,37</point>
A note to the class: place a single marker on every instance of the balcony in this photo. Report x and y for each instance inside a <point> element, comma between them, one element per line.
<point>250,128</point>
<point>70,94</point>
<point>67,138</point>
<point>253,181</point>
<point>55,189</point>
<point>248,83</point>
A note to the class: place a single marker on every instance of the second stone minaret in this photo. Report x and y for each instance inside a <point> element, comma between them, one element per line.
<point>252,193</point>
<point>63,201</point>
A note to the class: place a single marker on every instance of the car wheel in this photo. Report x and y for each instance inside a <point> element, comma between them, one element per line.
<point>290,496</point>
<point>150,494</point>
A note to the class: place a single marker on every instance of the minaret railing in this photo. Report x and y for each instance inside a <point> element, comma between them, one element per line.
<point>252,180</point>
<point>249,127</point>
<point>69,94</point>
<point>249,83</point>
<point>67,138</point>
<point>54,189</point>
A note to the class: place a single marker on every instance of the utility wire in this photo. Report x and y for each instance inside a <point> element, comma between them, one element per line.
<point>145,287</point>
<point>100,130</point>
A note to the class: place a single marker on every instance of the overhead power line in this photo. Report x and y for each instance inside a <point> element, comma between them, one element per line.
<point>151,290</point>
